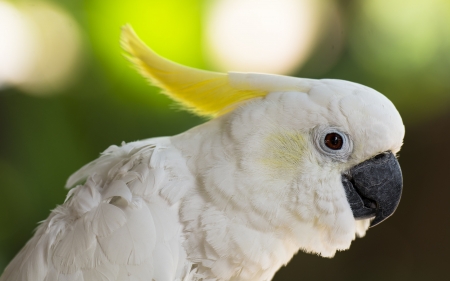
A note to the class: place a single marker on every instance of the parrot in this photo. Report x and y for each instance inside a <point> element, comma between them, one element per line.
<point>283,165</point>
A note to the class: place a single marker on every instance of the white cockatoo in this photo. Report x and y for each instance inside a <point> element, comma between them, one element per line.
<point>285,164</point>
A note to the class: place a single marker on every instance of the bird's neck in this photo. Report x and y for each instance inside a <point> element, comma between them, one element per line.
<point>226,236</point>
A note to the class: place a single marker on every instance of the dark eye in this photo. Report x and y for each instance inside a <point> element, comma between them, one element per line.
<point>334,141</point>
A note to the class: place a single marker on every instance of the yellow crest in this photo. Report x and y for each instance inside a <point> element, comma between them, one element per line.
<point>203,92</point>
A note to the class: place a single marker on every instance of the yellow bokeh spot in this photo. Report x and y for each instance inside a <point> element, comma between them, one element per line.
<point>172,28</point>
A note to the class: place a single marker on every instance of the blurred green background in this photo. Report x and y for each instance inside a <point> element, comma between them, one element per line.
<point>67,93</point>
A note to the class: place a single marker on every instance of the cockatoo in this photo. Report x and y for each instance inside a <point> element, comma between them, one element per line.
<point>285,164</point>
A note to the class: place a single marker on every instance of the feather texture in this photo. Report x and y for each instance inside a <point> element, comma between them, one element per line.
<point>114,226</point>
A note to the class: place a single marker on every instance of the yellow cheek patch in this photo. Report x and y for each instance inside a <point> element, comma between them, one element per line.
<point>284,151</point>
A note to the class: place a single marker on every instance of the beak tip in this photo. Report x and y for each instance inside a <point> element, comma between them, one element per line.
<point>376,221</point>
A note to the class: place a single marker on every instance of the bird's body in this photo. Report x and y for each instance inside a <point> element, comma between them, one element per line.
<point>89,239</point>
<point>232,199</point>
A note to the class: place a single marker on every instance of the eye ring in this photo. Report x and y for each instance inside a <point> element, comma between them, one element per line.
<point>339,145</point>
<point>333,141</point>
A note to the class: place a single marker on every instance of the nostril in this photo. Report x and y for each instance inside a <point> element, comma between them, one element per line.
<point>369,203</point>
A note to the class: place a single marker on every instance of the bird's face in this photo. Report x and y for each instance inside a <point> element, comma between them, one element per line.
<point>326,157</point>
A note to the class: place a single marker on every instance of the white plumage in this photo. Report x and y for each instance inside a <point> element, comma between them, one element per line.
<point>232,199</point>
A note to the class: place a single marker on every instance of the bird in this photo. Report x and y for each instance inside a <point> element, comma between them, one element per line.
<point>283,165</point>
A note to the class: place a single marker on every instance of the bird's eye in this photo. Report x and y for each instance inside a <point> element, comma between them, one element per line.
<point>333,141</point>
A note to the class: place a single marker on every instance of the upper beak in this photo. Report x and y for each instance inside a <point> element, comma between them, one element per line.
<point>374,187</point>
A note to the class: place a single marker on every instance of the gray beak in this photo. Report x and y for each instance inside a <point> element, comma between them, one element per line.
<point>374,187</point>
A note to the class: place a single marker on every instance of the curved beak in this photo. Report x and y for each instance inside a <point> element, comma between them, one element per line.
<point>374,187</point>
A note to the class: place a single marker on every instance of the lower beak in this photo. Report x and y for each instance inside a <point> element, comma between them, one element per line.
<point>374,187</point>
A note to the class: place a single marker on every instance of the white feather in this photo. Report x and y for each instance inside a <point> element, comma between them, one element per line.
<point>105,219</point>
<point>233,199</point>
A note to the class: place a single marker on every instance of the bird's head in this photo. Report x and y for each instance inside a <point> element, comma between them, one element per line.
<point>318,152</point>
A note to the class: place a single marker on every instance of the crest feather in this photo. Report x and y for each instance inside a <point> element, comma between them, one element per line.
<point>202,92</point>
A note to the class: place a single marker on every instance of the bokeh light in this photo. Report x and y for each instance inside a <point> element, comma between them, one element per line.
<point>58,49</point>
<point>273,36</point>
<point>16,38</point>
<point>40,50</point>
